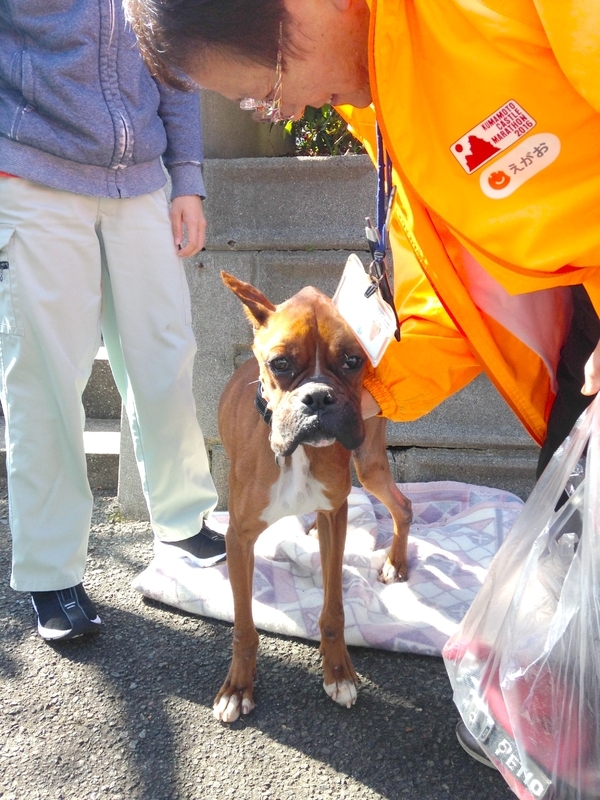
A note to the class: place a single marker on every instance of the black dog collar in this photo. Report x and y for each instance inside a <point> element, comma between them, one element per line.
<point>261,405</point>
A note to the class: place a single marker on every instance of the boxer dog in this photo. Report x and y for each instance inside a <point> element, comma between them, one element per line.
<point>290,421</point>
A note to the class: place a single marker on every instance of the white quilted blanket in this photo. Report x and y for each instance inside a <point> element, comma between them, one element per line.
<point>456,531</point>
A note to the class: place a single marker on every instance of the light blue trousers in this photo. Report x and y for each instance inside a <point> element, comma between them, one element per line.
<point>74,266</point>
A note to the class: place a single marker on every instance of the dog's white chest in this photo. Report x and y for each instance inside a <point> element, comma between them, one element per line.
<point>296,491</point>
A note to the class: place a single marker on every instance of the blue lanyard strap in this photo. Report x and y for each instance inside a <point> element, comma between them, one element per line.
<point>384,190</point>
<point>377,237</point>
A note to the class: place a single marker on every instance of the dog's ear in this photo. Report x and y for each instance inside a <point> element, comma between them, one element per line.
<point>257,308</point>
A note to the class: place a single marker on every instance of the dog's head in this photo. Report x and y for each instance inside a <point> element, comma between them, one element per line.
<point>311,368</point>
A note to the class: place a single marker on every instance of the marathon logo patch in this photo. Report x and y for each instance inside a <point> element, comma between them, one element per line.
<point>494,134</point>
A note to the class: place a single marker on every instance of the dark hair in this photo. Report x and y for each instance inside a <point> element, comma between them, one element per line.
<point>173,34</point>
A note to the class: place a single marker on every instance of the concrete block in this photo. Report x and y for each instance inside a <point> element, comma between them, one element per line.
<point>513,472</point>
<point>277,203</point>
<point>283,273</point>
<point>477,417</point>
<point>101,398</point>
<point>244,138</point>
<point>132,503</point>
<point>220,327</point>
<point>103,471</point>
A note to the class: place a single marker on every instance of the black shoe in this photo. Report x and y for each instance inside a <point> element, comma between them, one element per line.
<point>471,746</point>
<point>65,613</point>
<point>205,549</point>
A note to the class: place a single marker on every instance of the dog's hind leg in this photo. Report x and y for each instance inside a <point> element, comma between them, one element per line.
<point>373,471</point>
<point>339,677</point>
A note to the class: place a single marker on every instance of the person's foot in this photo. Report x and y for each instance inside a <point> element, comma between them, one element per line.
<point>471,746</point>
<point>205,549</point>
<point>65,613</point>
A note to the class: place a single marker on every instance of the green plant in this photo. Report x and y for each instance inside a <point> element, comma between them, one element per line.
<point>115,517</point>
<point>322,132</point>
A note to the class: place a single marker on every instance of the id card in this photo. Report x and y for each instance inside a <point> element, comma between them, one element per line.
<point>371,318</point>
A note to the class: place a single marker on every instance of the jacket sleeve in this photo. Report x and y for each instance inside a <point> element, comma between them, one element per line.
<point>180,114</point>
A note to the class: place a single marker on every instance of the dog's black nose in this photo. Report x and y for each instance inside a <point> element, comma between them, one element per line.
<point>318,397</point>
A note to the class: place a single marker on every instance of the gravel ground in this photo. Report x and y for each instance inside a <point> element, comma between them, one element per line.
<point>126,714</point>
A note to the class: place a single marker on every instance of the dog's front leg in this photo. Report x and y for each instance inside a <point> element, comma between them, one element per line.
<point>339,677</point>
<point>235,696</point>
<point>373,471</point>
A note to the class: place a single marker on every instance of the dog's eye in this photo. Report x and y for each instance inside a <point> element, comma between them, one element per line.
<point>352,362</point>
<point>279,364</point>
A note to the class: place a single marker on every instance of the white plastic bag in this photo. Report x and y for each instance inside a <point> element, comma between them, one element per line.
<point>525,662</point>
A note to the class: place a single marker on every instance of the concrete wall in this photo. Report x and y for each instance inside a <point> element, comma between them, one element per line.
<point>229,132</point>
<point>282,223</point>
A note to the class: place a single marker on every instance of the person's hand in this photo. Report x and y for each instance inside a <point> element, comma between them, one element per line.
<point>187,212</point>
<point>592,373</point>
<point>369,406</point>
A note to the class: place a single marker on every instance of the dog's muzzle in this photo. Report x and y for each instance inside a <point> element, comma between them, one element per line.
<point>316,414</point>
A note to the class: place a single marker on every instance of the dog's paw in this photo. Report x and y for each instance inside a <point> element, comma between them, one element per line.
<point>390,574</point>
<point>229,707</point>
<point>343,692</point>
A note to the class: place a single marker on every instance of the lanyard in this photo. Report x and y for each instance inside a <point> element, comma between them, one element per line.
<point>385,190</point>
<point>377,237</point>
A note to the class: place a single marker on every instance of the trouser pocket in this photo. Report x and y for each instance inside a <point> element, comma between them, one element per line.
<point>9,297</point>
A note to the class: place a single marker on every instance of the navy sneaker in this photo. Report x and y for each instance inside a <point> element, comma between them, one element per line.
<point>205,549</point>
<point>65,613</point>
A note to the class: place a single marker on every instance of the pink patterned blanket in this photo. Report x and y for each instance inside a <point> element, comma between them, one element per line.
<point>457,529</point>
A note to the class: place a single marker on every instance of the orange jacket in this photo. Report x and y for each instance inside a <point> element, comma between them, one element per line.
<point>490,111</point>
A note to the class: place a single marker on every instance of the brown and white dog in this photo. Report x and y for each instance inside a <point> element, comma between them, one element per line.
<point>309,373</point>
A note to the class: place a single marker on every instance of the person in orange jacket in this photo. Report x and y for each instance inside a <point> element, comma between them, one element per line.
<point>489,111</point>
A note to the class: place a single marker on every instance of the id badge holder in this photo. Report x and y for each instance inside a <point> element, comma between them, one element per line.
<point>369,316</point>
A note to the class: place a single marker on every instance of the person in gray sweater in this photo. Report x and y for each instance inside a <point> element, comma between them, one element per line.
<point>90,248</point>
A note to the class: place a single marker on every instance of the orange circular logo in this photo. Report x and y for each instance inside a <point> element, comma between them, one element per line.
<point>498,180</point>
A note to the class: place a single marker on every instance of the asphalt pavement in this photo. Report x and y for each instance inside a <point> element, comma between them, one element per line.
<point>126,714</point>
